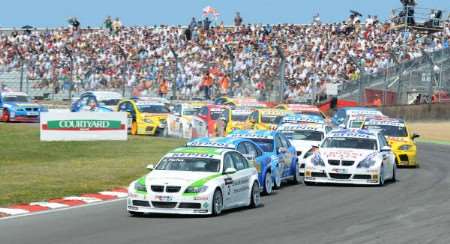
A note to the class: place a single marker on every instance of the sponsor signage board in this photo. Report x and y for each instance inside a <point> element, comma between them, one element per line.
<point>83,126</point>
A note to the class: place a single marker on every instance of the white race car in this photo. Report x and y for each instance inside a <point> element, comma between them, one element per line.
<point>200,181</point>
<point>351,157</point>
<point>184,123</point>
<point>304,137</point>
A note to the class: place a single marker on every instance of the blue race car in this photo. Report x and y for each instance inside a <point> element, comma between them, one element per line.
<point>249,149</point>
<point>96,101</point>
<point>283,154</point>
<point>18,107</point>
<point>340,115</point>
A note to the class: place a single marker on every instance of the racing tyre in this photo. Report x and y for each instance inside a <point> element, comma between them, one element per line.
<point>255,197</point>
<point>381,181</point>
<point>217,203</point>
<point>5,115</point>
<point>134,128</point>
<point>296,177</point>
<point>394,178</point>
<point>135,214</point>
<point>268,184</point>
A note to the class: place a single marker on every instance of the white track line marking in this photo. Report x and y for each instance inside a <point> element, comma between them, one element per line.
<point>13,211</point>
<point>84,199</point>
<point>114,193</point>
<point>61,209</point>
<point>50,205</point>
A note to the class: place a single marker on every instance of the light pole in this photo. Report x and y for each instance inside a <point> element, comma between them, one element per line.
<point>231,55</point>
<point>280,53</point>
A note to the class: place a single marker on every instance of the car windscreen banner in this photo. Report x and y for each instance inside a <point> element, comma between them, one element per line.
<point>186,127</point>
<point>83,126</point>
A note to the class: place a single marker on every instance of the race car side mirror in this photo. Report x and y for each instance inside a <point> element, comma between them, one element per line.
<point>230,171</point>
<point>414,136</point>
<point>386,149</point>
<point>151,167</point>
<point>249,157</point>
<point>341,126</point>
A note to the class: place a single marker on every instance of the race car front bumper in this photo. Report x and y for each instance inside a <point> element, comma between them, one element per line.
<point>405,158</point>
<point>168,204</point>
<point>355,177</point>
<point>24,118</point>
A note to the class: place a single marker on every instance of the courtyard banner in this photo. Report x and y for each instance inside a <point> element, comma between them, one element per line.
<point>83,126</point>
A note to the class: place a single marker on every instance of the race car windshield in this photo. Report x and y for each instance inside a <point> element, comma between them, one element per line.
<point>239,117</point>
<point>350,142</point>
<point>271,119</point>
<point>189,164</point>
<point>315,114</point>
<point>190,112</point>
<point>355,124</point>
<point>215,115</point>
<point>265,144</point>
<point>304,135</point>
<point>110,102</point>
<point>155,109</point>
<point>16,99</point>
<point>389,130</point>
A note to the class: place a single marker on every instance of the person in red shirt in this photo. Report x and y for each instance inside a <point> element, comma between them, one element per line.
<point>207,83</point>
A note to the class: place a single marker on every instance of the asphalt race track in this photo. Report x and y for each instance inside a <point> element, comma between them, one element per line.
<point>416,209</point>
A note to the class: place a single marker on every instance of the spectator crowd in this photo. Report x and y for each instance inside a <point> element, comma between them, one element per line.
<point>206,58</point>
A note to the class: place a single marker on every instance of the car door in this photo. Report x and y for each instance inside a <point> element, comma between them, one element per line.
<point>290,154</point>
<point>241,178</point>
<point>124,107</point>
<point>280,155</point>
<point>388,156</point>
<point>228,195</point>
<point>260,161</point>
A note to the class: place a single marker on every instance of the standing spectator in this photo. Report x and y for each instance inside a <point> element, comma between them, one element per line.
<point>207,83</point>
<point>206,24</point>
<point>163,88</point>
<point>108,24</point>
<point>193,24</point>
<point>238,19</point>
<point>117,25</point>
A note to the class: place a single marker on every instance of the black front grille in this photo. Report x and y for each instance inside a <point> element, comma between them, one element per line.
<point>190,205</point>
<point>141,203</point>
<point>362,177</point>
<point>302,166</point>
<point>347,163</point>
<point>299,153</point>
<point>164,204</point>
<point>318,174</point>
<point>157,188</point>
<point>403,157</point>
<point>173,188</point>
<point>340,176</point>
<point>334,162</point>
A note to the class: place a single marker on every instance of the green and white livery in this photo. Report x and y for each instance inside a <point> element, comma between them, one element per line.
<point>190,180</point>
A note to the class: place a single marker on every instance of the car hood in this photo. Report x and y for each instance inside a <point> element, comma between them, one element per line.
<point>304,146</point>
<point>398,140</point>
<point>344,154</point>
<point>177,178</point>
<point>27,105</point>
<point>153,116</point>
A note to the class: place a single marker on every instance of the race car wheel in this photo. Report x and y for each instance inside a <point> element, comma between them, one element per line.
<point>268,184</point>
<point>381,181</point>
<point>134,128</point>
<point>5,116</point>
<point>135,214</point>
<point>277,182</point>
<point>217,203</point>
<point>296,177</point>
<point>255,198</point>
<point>394,179</point>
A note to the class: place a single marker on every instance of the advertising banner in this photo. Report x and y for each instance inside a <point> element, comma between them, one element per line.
<point>83,126</point>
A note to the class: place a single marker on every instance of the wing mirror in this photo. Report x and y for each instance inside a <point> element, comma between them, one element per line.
<point>414,136</point>
<point>151,167</point>
<point>282,150</point>
<point>341,126</point>
<point>230,171</point>
<point>386,149</point>
<point>249,157</point>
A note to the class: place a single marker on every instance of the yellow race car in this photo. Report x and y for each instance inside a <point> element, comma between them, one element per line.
<point>399,138</point>
<point>145,117</point>
<point>235,119</point>
<point>266,118</point>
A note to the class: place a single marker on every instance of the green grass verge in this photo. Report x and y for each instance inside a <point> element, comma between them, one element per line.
<point>424,140</point>
<point>31,170</point>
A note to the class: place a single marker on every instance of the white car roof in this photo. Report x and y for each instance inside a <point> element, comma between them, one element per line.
<point>105,95</point>
<point>10,94</point>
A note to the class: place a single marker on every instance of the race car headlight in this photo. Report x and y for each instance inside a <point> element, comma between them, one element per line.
<point>148,121</point>
<point>193,189</point>
<point>317,160</point>
<point>367,162</point>
<point>404,147</point>
<point>139,187</point>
